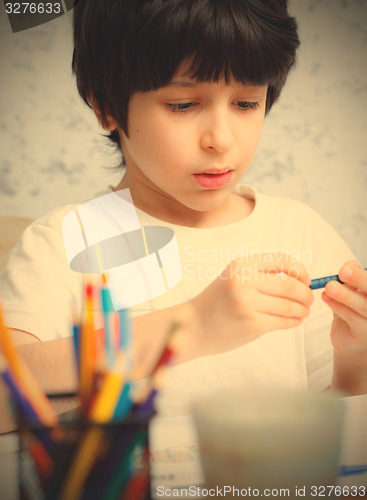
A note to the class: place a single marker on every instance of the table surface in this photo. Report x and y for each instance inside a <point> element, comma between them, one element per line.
<point>179,434</point>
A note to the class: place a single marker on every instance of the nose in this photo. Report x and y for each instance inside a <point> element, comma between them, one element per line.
<point>217,134</point>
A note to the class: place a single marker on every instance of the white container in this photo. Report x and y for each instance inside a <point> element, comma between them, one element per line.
<point>270,439</point>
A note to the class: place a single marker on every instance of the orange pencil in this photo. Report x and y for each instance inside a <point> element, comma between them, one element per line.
<point>87,352</point>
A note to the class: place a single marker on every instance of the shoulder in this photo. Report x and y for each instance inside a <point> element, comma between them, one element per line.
<point>276,207</point>
<point>292,224</point>
<point>52,220</point>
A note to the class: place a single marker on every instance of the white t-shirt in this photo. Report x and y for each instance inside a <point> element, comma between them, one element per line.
<point>39,291</point>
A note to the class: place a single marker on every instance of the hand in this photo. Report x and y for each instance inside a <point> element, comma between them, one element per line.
<point>349,304</point>
<point>251,297</point>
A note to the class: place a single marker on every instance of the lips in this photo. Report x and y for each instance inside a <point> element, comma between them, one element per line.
<point>214,178</point>
<point>215,171</point>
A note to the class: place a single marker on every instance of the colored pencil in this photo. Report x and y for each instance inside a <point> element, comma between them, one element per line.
<point>108,311</point>
<point>82,463</point>
<point>87,352</point>
<point>106,398</point>
<point>351,470</point>
<point>28,385</point>
<point>321,282</point>
<point>104,405</point>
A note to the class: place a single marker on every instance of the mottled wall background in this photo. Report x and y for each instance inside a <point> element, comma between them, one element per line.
<point>313,148</point>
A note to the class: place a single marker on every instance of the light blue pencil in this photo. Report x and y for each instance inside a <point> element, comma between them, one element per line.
<point>108,309</point>
<point>126,340</point>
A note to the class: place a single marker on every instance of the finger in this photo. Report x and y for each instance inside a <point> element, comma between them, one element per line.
<point>349,297</point>
<point>357,324</point>
<point>280,307</point>
<point>281,285</point>
<point>279,263</point>
<point>354,275</point>
<point>270,323</point>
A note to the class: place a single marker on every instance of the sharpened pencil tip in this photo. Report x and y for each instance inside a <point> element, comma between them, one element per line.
<point>89,291</point>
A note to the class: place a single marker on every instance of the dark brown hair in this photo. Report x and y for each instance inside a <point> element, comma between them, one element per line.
<point>125,46</point>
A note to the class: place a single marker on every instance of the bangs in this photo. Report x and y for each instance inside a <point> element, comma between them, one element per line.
<point>127,46</point>
<point>221,39</point>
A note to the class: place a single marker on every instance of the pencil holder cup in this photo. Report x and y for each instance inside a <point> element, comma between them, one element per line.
<point>81,460</point>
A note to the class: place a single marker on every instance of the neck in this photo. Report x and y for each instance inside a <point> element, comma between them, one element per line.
<point>163,207</point>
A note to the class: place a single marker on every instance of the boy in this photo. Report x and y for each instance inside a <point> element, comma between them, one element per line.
<point>182,87</point>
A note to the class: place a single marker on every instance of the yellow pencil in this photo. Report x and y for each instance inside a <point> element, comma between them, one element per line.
<point>82,463</point>
<point>25,379</point>
<point>103,407</point>
<point>105,403</point>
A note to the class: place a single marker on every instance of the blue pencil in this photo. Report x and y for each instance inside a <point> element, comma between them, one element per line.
<point>76,334</point>
<point>22,404</point>
<point>25,408</point>
<point>321,282</point>
<point>146,408</point>
<point>350,470</point>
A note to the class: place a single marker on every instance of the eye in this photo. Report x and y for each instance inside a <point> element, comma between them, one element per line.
<point>181,107</point>
<point>246,105</point>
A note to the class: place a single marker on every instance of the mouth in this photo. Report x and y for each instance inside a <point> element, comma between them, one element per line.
<point>214,178</point>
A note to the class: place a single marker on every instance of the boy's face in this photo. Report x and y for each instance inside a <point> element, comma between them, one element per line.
<point>189,143</point>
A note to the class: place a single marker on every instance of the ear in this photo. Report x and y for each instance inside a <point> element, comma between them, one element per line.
<point>111,122</point>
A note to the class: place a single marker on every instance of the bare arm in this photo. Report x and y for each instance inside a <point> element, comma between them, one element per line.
<point>52,364</point>
<point>227,314</point>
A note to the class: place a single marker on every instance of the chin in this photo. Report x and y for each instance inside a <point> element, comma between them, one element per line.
<point>209,201</point>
